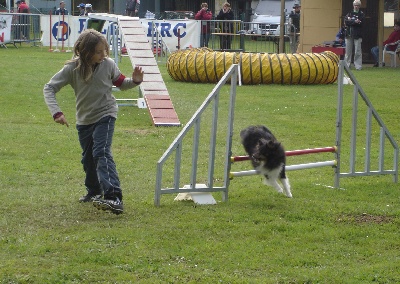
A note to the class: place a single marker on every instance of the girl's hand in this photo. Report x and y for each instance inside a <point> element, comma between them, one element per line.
<point>137,75</point>
<point>62,120</point>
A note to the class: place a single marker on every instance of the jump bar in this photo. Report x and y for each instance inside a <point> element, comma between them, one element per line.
<point>292,153</point>
<point>287,168</point>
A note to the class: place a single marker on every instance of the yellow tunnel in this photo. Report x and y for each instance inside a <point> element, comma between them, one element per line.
<point>207,66</point>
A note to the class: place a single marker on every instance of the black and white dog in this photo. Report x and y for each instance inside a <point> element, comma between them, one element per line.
<point>267,156</point>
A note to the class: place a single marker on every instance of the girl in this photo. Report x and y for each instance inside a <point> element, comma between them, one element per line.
<point>92,74</point>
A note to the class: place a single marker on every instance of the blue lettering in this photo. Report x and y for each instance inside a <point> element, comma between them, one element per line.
<point>165,27</point>
<point>180,33</point>
<point>149,29</point>
<point>81,24</point>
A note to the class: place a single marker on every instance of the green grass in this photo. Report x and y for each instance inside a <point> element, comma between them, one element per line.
<point>321,235</point>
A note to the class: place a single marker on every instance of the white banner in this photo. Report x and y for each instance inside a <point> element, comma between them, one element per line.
<point>5,28</point>
<point>63,32</point>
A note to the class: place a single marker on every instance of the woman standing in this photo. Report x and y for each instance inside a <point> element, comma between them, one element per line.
<point>204,15</point>
<point>226,15</point>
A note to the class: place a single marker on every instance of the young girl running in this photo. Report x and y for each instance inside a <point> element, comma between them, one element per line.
<point>92,74</point>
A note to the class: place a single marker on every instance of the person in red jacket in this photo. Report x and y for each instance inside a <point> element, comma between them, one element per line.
<point>22,7</point>
<point>22,31</point>
<point>204,14</point>
<point>393,37</point>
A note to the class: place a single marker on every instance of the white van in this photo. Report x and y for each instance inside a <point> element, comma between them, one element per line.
<point>265,24</point>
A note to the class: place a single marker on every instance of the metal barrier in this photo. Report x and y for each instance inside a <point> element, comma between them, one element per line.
<point>25,28</point>
<point>247,36</point>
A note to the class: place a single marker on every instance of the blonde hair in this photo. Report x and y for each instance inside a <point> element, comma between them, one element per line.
<point>227,4</point>
<point>357,2</point>
<point>84,50</point>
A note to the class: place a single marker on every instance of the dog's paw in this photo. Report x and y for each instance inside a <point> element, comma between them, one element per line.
<point>289,195</point>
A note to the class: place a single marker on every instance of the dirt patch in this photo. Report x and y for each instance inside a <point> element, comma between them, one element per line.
<point>365,218</point>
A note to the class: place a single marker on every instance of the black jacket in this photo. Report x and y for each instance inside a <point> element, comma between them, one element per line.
<point>227,27</point>
<point>354,30</point>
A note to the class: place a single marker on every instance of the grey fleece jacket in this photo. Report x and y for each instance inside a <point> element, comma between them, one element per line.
<point>94,100</point>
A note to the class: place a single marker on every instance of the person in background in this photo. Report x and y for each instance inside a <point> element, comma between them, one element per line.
<point>132,8</point>
<point>354,22</point>
<point>225,15</point>
<point>22,28</point>
<point>294,20</point>
<point>61,10</point>
<point>204,14</point>
<point>81,9</point>
<point>22,7</point>
<point>393,37</point>
<point>341,37</point>
<point>92,75</point>
<point>88,9</point>
<point>294,17</point>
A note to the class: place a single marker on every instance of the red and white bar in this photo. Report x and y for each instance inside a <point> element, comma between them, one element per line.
<point>332,149</point>
<point>287,168</point>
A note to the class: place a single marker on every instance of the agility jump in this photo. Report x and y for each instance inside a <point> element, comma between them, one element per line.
<point>193,187</point>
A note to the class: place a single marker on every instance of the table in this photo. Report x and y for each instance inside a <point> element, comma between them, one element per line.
<point>341,51</point>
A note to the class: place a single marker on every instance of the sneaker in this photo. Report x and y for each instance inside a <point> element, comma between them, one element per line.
<point>115,206</point>
<point>89,197</point>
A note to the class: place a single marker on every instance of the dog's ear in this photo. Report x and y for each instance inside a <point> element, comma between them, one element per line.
<point>273,144</point>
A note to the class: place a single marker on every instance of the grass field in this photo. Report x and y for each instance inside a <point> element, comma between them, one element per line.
<point>321,235</point>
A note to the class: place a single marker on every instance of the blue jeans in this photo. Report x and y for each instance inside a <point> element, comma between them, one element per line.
<point>204,38</point>
<point>375,53</point>
<point>97,160</point>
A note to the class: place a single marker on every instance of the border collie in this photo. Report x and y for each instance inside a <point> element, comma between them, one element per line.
<point>267,156</point>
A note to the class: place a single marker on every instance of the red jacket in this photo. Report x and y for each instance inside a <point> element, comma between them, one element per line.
<point>205,15</point>
<point>23,8</point>
<point>393,37</point>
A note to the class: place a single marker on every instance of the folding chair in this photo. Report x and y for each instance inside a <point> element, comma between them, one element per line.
<point>393,60</point>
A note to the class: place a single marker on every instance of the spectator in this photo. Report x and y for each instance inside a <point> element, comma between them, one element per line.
<point>393,37</point>
<point>294,20</point>
<point>22,29</point>
<point>204,15</point>
<point>132,8</point>
<point>226,15</point>
<point>81,9</point>
<point>61,10</point>
<point>88,9</point>
<point>341,37</point>
<point>22,7</point>
<point>354,22</point>
<point>92,74</point>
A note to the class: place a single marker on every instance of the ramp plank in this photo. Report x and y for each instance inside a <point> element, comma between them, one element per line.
<point>153,88</point>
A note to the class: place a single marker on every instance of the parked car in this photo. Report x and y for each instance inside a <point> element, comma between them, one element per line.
<point>173,15</point>
<point>265,24</point>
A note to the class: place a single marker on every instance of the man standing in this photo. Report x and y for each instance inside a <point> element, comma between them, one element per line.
<point>61,10</point>
<point>22,29</point>
<point>132,8</point>
<point>393,37</point>
<point>354,21</point>
<point>294,20</point>
<point>81,9</point>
